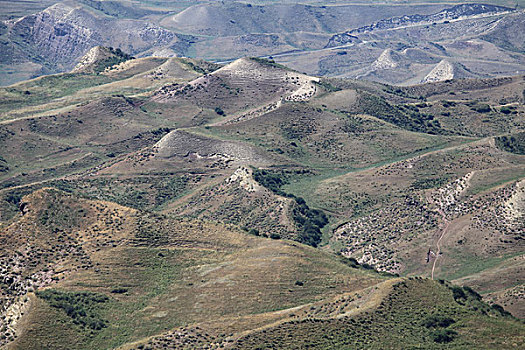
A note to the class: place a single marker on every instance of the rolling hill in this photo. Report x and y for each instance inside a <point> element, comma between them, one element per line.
<point>175,203</point>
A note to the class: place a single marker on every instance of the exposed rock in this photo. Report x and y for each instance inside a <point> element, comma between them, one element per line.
<point>444,70</point>
<point>514,208</point>
<point>183,144</point>
<point>244,176</point>
<point>387,60</point>
<point>459,11</point>
<point>64,32</point>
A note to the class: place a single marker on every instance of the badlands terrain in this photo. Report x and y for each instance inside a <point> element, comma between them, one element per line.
<point>152,203</point>
<point>395,42</point>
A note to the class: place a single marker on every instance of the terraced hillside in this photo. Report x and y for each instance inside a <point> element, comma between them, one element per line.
<point>175,203</point>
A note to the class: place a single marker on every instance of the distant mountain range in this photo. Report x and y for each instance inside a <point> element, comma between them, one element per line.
<point>340,40</point>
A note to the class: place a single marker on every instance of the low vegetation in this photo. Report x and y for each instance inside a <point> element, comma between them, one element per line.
<point>415,313</point>
<point>513,143</point>
<point>117,56</point>
<point>309,221</point>
<point>405,116</point>
<point>82,307</point>
<point>155,206</point>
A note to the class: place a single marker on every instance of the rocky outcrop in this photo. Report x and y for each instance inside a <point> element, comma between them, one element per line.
<point>61,34</point>
<point>183,144</point>
<point>513,209</point>
<point>243,176</point>
<point>459,11</point>
<point>387,60</point>
<point>444,70</point>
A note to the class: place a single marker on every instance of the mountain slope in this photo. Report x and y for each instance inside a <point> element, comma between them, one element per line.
<point>56,38</point>
<point>242,85</point>
<point>315,39</point>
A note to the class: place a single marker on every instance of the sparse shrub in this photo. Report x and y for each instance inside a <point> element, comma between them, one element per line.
<point>309,221</point>
<point>254,232</point>
<point>327,86</point>
<point>405,116</point>
<point>438,321</point>
<point>80,306</point>
<point>119,290</point>
<point>443,336</point>
<point>505,110</point>
<point>219,111</point>
<point>275,236</point>
<point>426,183</point>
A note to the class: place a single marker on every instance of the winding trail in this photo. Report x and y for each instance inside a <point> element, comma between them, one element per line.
<point>443,232</point>
<point>445,220</point>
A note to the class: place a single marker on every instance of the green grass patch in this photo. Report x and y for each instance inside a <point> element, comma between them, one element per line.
<point>471,265</point>
<point>81,307</point>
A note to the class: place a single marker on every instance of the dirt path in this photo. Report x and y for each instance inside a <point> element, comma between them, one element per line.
<point>443,232</point>
<point>446,222</point>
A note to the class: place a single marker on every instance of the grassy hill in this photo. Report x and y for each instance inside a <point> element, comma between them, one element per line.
<point>178,203</point>
<point>128,274</point>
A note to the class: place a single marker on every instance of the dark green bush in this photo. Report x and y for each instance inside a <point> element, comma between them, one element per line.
<point>500,310</point>
<point>438,321</point>
<point>118,57</point>
<point>443,336</point>
<point>481,108</point>
<point>458,293</point>
<point>80,306</point>
<point>472,293</point>
<point>119,290</point>
<point>505,110</point>
<point>513,144</point>
<point>405,116</point>
<point>254,232</point>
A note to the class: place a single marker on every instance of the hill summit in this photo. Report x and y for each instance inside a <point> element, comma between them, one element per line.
<point>99,58</point>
